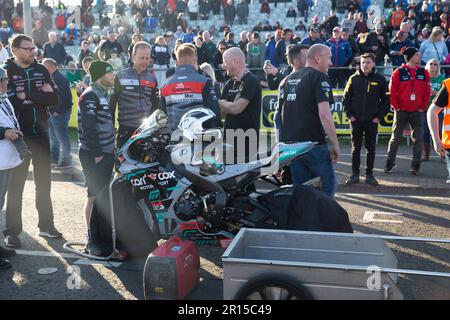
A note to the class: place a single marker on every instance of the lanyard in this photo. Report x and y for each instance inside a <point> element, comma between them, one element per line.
<point>8,112</point>
<point>412,79</point>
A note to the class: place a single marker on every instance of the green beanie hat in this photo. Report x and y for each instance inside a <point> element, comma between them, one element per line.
<point>98,69</point>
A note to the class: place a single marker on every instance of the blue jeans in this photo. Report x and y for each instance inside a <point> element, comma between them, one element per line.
<point>59,136</point>
<point>316,163</point>
<point>426,128</point>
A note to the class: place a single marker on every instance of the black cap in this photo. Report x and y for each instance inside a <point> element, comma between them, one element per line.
<point>314,28</point>
<point>409,52</point>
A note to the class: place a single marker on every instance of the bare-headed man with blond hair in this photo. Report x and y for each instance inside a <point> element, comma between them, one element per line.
<point>186,88</point>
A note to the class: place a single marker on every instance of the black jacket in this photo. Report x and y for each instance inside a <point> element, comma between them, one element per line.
<point>365,96</point>
<point>32,112</point>
<point>64,93</point>
<point>160,55</point>
<point>274,81</point>
<point>95,121</point>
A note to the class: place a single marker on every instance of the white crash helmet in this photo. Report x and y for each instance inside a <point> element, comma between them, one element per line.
<point>196,121</point>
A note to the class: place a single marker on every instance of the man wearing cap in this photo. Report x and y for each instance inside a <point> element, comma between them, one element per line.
<point>96,132</point>
<point>400,41</point>
<point>314,36</point>
<point>135,93</point>
<point>341,56</point>
<point>410,94</point>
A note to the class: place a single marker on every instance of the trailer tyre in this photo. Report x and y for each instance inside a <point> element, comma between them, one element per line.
<point>273,287</point>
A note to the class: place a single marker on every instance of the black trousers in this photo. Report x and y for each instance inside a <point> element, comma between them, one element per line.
<point>401,119</point>
<point>40,149</point>
<point>338,77</point>
<point>369,130</point>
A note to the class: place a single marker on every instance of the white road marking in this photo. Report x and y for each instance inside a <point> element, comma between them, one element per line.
<point>343,194</point>
<point>369,217</point>
<point>53,254</point>
<point>91,262</point>
<point>399,156</point>
<point>392,196</point>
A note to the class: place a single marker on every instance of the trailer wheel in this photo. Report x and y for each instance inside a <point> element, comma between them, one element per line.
<point>146,280</point>
<point>273,287</point>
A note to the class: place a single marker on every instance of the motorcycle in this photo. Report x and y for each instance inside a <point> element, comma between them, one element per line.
<point>180,191</point>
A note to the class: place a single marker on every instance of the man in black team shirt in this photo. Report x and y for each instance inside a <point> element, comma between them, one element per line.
<point>241,100</point>
<point>31,91</point>
<point>306,116</point>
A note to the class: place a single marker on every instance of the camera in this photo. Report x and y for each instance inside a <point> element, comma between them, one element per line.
<point>21,147</point>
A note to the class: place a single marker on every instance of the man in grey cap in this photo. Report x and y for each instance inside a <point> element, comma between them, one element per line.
<point>96,132</point>
<point>314,36</point>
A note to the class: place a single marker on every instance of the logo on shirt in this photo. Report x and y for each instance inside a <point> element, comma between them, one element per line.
<point>179,86</point>
<point>291,97</point>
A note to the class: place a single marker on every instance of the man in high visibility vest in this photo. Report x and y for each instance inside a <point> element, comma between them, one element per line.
<point>441,145</point>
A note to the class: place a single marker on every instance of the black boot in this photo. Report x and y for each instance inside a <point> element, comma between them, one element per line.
<point>370,180</point>
<point>4,264</point>
<point>6,253</point>
<point>354,178</point>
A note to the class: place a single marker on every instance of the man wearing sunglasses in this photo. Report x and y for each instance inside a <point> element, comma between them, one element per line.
<point>31,90</point>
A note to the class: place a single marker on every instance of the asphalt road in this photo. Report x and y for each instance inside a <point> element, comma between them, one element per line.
<point>421,216</point>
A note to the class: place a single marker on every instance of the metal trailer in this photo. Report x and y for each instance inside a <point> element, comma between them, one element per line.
<point>289,265</point>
